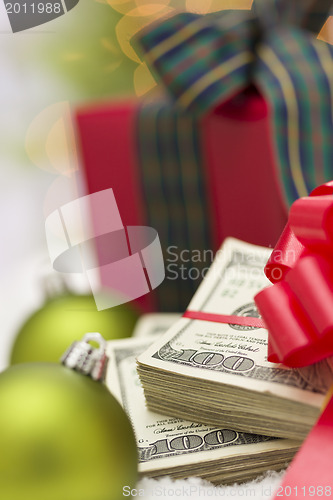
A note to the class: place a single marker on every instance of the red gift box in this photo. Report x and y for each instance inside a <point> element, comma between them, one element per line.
<point>241,186</point>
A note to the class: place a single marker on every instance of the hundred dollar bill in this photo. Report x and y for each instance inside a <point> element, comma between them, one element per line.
<point>181,448</point>
<point>218,373</point>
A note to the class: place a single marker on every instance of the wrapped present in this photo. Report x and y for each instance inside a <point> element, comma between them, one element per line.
<point>244,128</point>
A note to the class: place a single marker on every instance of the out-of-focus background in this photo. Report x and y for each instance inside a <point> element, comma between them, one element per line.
<point>81,57</point>
<point>46,72</point>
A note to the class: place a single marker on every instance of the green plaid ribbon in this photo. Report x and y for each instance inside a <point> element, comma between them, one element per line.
<point>203,61</point>
<point>174,189</point>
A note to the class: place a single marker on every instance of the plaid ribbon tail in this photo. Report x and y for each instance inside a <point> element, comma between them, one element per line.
<point>295,73</point>
<point>173,185</point>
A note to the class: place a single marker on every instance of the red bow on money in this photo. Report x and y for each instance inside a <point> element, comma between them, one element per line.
<point>298,308</point>
<point>298,312</point>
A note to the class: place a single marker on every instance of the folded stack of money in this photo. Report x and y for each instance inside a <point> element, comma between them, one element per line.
<point>180,448</point>
<point>216,373</point>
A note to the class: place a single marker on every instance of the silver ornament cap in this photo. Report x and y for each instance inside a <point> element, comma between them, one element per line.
<point>86,359</point>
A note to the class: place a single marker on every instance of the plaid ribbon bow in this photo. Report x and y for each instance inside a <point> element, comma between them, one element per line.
<point>205,60</point>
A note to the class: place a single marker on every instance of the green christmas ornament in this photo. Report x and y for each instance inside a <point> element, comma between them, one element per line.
<point>66,318</point>
<point>63,436</point>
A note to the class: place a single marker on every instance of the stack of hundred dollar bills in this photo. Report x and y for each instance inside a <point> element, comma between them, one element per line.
<point>208,403</point>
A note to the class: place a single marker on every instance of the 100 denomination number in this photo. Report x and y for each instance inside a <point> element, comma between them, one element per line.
<point>193,441</point>
<point>185,443</point>
<point>33,8</point>
<point>212,359</point>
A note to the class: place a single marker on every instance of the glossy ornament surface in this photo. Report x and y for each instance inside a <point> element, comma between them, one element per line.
<point>66,318</point>
<point>63,436</point>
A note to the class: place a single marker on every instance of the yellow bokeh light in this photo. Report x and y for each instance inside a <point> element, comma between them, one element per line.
<point>73,56</point>
<point>50,141</point>
<point>109,68</point>
<point>143,80</point>
<point>326,34</point>
<point>132,7</point>
<point>108,44</point>
<point>132,23</point>
<point>122,6</point>
<point>208,6</point>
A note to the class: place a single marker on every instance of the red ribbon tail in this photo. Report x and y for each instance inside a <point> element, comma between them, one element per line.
<point>310,474</point>
<point>226,318</point>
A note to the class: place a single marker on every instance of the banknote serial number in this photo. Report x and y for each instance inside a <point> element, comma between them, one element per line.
<point>33,8</point>
<point>304,491</point>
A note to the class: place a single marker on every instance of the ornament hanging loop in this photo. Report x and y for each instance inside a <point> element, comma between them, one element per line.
<point>86,359</point>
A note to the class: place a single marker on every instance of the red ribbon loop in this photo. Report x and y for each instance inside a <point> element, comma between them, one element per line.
<point>298,308</point>
<point>311,221</point>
